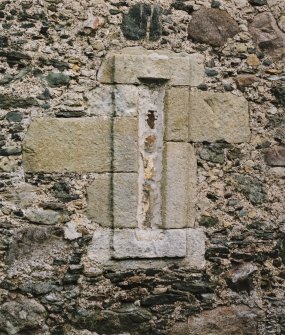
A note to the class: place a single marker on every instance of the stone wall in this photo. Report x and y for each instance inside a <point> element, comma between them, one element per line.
<point>142,167</point>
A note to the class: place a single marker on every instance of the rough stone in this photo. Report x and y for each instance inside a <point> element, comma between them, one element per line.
<point>179,185</point>
<point>214,152</point>
<point>176,114</point>
<point>57,79</point>
<point>181,5</point>
<point>221,321</point>
<point>125,144</point>
<point>212,26</point>
<point>62,191</point>
<point>275,156</point>
<point>218,116</point>
<point>258,2</point>
<point>253,60</point>
<point>73,145</point>
<point>70,231</point>
<point>10,101</point>
<point>47,217</point>
<point>21,314</point>
<point>99,200</point>
<point>279,93</point>
<point>155,28</point>
<point>267,35</point>
<point>125,200</point>
<point>240,277</point>
<point>14,116</point>
<point>134,24</point>
<point>251,188</point>
<point>245,80</point>
<point>141,243</point>
<point>208,221</point>
<point>128,317</point>
<point>10,151</point>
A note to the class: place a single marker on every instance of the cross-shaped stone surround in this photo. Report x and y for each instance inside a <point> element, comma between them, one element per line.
<point>144,194</point>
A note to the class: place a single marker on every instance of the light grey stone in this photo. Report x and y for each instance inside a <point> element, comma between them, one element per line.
<point>218,116</point>
<point>99,251</point>
<point>68,145</point>
<point>45,216</point>
<point>142,243</point>
<point>125,200</point>
<point>126,100</point>
<point>179,185</point>
<point>99,195</point>
<point>176,114</point>
<point>196,247</point>
<point>70,231</point>
<point>20,314</point>
<point>125,144</point>
<point>187,69</point>
<point>100,101</point>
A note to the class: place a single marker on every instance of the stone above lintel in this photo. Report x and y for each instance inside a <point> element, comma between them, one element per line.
<point>136,65</point>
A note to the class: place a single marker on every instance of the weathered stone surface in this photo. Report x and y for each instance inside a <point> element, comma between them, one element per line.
<point>46,216</point>
<point>258,2</point>
<point>221,321</point>
<point>179,185</point>
<point>126,100</point>
<point>141,243</point>
<point>240,277</point>
<point>21,314</point>
<point>180,5</point>
<point>134,25</point>
<point>14,116</point>
<point>133,65</point>
<point>99,196</point>
<point>68,145</point>
<point>245,80</point>
<point>99,250</point>
<point>279,93</point>
<point>214,152</point>
<point>125,144</point>
<point>129,69</point>
<point>218,116</point>
<point>100,101</point>
<point>125,200</point>
<point>155,28</point>
<point>57,79</point>
<point>196,247</point>
<point>127,318</point>
<point>135,22</point>
<point>11,101</point>
<point>275,156</point>
<point>267,35</point>
<point>250,187</point>
<point>176,114</point>
<point>212,26</point>
<point>62,191</point>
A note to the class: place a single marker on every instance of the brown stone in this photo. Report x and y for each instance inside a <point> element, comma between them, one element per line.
<point>275,156</point>
<point>252,60</point>
<point>267,35</point>
<point>212,26</point>
<point>245,80</point>
<point>240,320</point>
